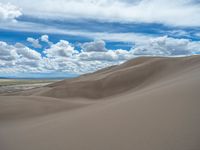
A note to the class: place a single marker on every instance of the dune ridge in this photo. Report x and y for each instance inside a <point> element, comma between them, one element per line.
<point>132,75</point>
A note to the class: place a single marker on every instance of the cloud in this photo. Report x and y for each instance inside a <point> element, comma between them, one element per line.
<point>165,46</point>
<point>28,64</point>
<point>98,46</point>
<point>9,12</point>
<point>16,52</point>
<point>7,52</point>
<point>63,56</point>
<point>18,58</point>
<point>146,11</point>
<point>26,52</point>
<point>97,50</point>
<point>35,42</point>
<point>45,38</point>
<point>110,55</point>
<point>60,57</point>
<point>61,49</point>
<point>44,29</point>
<point>100,56</point>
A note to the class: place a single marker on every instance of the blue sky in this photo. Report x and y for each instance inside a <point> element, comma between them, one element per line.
<point>67,38</point>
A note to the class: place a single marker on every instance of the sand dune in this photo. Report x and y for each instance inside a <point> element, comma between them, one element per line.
<point>143,104</point>
<point>132,75</point>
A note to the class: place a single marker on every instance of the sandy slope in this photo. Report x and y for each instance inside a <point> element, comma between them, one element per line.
<point>132,75</point>
<point>144,104</point>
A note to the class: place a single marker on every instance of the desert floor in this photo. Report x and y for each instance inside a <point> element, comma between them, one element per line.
<point>143,104</point>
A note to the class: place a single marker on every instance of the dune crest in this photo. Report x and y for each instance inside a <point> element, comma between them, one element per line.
<point>130,76</point>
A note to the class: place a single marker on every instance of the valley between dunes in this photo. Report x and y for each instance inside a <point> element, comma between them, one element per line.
<point>148,103</point>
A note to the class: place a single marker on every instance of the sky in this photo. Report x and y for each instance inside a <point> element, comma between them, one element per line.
<point>67,38</point>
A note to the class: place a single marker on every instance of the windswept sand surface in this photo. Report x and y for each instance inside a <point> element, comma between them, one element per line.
<point>144,104</point>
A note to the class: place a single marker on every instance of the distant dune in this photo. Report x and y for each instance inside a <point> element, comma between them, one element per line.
<point>148,103</point>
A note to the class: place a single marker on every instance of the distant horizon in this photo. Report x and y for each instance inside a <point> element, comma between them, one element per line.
<point>38,76</point>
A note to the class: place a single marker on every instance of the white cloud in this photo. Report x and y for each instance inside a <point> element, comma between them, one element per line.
<point>100,56</point>
<point>61,49</point>
<point>7,52</point>
<point>165,46</point>
<point>98,46</point>
<point>16,52</point>
<point>28,63</point>
<point>124,54</point>
<point>177,12</point>
<point>45,38</point>
<point>110,55</point>
<point>18,58</point>
<point>26,52</point>
<point>9,12</point>
<point>35,42</point>
<point>60,57</point>
<point>63,57</point>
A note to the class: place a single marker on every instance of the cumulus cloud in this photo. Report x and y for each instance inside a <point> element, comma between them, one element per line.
<point>101,56</point>
<point>28,64</point>
<point>165,46</point>
<point>97,50</point>
<point>88,61</point>
<point>26,52</point>
<point>45,38</point>
<point>9,12</point>
<point>60,57</point>
<point>17,51</point>
<point>61,49</point>
<point>63,56</point>
<point>7,52</point>
<point>35,42</point>
<point>96,46</point>
<point>18,58</point>
<point>110,55</point>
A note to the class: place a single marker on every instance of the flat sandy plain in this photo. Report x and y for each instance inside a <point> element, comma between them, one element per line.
<point>14,85</point>
<point>143,104</point>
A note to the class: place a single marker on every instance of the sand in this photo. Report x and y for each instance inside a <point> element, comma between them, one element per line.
<point>14,85</point>
<point>144,104</point>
